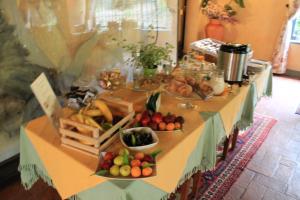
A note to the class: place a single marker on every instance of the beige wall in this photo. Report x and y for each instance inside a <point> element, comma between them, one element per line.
<point>294,57</point>
<point>259,25</point>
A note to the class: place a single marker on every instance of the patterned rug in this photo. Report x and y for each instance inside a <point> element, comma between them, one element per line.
<point>218,182</point>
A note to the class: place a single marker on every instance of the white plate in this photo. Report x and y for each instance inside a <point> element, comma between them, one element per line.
<point>140,148</point>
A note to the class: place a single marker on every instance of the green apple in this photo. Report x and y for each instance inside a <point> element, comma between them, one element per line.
<point>119,160</point>
<point>125,170</point>
<point>123,152</point>
<point>114,170</point>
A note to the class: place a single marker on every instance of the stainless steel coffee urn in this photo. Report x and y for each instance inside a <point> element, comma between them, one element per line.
<point>233,59</point>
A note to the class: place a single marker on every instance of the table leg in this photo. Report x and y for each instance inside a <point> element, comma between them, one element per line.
<point>234,137</point>
<point>172,197</point>
<point>184,190</point>
<point>196,184</point>
<point>226,147</point>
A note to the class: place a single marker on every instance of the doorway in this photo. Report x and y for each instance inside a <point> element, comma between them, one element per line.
<point>181,27</point>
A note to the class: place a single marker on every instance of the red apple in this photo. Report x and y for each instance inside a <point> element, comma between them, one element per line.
<point>157,117</point>
<point>109,156</point>
<point>106,164</point>
<point>145,120</point>
<point>170,118</point>
<point>139,155</point>
<point>153,126</point>
<point>148,159</point>
<point>145,113</point>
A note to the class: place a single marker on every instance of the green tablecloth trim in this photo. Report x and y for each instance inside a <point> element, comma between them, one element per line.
<point>269,86</point>
<point>31,167</point>
<point>245,117</point>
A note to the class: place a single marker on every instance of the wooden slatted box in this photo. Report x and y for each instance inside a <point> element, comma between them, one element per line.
<point>97,142</point>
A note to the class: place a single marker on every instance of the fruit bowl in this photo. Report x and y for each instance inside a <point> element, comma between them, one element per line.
<point>127,166</point>
<point>139,139</point>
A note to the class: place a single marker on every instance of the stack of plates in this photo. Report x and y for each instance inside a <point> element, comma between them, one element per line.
<point>207,46</point>
<point>257,65</point>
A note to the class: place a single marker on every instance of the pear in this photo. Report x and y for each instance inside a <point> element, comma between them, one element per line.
<point>114,170</point>
<point>119,160</point>
<point>125,170</point>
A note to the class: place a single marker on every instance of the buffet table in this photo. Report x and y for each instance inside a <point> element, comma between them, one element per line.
<point>183,153</point>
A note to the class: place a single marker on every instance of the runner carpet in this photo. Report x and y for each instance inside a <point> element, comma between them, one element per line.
<point>215,184</point>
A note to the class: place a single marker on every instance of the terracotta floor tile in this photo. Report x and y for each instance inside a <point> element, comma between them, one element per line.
<point>273,195</point>
<point>254,191</point>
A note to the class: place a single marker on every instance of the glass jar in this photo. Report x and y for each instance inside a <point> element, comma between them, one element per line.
<point>218,83</point>
<point>137,76</point>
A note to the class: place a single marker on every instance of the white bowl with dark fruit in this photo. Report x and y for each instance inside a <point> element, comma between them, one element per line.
<point>138,139</point>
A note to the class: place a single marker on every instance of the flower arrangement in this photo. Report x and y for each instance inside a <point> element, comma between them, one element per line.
<point>213,10</point>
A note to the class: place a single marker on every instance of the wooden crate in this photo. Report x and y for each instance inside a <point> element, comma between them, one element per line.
<point>138,99</point>
<point>97,142</point>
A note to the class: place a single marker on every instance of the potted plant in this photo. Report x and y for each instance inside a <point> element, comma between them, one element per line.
<point>148,55</point>
<point>216,13</point>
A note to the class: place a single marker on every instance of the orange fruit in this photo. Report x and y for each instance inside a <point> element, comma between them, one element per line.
<point>147,171</point>
<point>177,125</point>
<point>139,155</point>
<point>170,126</point>
<point>136,172</point>
<point>135,163</point>
<point>162,126</point>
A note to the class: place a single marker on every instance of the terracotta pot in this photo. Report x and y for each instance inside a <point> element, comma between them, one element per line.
<point>215,29</point>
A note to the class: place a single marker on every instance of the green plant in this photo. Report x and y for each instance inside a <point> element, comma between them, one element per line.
<point>147,55</point>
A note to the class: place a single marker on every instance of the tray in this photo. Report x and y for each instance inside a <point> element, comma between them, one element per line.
<point>154,173</point>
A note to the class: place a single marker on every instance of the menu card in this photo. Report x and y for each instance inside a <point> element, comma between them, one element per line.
<point>46,97</point>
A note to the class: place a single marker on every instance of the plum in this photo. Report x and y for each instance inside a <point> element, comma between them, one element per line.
<point>179,119</point>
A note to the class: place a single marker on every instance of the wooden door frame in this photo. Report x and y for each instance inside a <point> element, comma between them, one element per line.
<point>180,48</point>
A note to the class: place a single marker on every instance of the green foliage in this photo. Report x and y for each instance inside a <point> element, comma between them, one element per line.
<point>204,3</point>
<point>240,3</point>
<point>147,55</point>
<point>229,10</point>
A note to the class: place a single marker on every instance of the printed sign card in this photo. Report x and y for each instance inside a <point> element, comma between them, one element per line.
<point>46,97</point>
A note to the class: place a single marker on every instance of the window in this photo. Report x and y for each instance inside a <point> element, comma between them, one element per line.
<point>142,12</point>
<point>295,37</point>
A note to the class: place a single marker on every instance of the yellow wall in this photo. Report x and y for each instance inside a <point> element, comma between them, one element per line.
<point>294,57</point>
<point>259,25</point>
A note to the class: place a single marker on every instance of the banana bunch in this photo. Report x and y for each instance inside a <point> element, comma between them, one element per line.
<point>85,116</point>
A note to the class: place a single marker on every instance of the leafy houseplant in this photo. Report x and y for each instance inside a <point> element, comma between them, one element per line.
<point>147,55</point>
